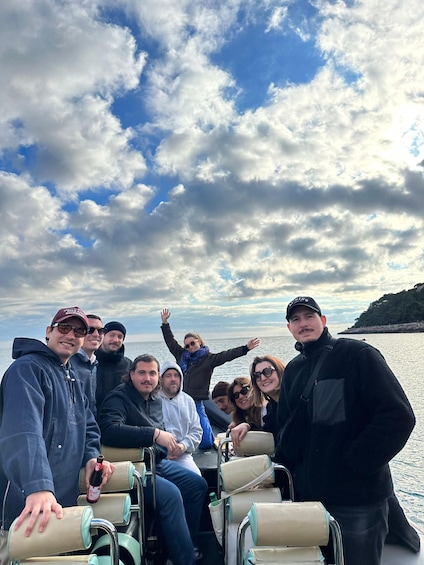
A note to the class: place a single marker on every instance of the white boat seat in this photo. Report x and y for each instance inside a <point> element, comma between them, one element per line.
<point>284,555</point>
<point>122,478</point>
<point>70,533</point>
<point>134,455</point>
<point>88,559</point>
<point>238,472</point>
<point>239,504</point>
<point>122,454</point>
<point>256,443</point>
<point>114,507</point>
<point>289,525</point>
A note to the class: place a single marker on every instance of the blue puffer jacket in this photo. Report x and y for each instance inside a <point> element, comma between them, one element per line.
<point>47,431</point>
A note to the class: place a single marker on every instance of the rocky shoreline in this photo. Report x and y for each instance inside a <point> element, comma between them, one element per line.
<point>412,327</point>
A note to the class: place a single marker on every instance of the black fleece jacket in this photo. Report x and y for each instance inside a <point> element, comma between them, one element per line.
<point>127,420</point>
<point>357,419</point>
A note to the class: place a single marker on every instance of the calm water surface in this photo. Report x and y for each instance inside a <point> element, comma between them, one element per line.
<point>403,352</point>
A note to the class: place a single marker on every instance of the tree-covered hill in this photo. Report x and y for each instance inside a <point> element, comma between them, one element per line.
<point>401,308</point>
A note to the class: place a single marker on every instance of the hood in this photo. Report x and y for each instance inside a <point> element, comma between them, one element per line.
<point>25,345</point>
<point>171,365</point>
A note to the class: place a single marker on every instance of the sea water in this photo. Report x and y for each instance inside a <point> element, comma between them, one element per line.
<point>403,352</point>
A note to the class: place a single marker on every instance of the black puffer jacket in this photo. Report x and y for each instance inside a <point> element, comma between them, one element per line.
<point>358,418</point>
<point>197,378</point>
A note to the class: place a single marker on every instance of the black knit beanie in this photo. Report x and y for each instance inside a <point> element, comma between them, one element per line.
<point>115,326</point>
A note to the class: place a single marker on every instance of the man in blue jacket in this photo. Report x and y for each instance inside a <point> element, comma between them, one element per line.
<point>356,418</point>
<point>47,431</point>
<point>84,362</point>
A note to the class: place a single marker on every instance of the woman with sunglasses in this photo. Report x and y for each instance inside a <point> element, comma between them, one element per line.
<point>266,373</point>
<point>240,396</point>
<point>197,364</point>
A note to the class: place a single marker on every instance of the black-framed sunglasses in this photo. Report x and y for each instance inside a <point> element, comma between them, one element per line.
<point>91,330</point>
<point>243,391</point>
<point>66,328</point>
<point>190,344</point>
<point>267,372</point>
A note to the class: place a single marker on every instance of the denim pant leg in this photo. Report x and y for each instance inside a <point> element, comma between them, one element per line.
<point>172,523</point>
<point>193,489</point>
<point>207,436</point>
<point>364,529</point>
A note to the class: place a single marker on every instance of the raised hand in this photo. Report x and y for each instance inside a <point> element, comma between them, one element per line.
<point>165,315</point>
<point>254,342</point>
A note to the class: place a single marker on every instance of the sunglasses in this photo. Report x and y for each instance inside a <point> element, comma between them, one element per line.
<point>91,330</point>
<point>267,372</point>
<point>244,390</point>
<point>66,328</point>
<point>191,344</point>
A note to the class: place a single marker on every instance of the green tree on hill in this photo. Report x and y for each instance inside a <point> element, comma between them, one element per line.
<point>401,308</point>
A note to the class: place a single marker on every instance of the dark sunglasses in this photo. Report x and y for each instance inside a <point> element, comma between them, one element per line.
<point>244,390</point>
<point>267,372</point>
<point>187,345</point>
<point>91,330</point>
<point>66,328</point>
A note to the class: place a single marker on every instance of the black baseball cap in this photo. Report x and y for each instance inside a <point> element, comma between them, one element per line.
<point>306,301</point>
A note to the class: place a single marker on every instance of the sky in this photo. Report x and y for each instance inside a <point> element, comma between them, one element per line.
<point>214,158</point>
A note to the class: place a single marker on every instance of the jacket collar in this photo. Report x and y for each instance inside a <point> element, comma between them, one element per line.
<point>314,347</point>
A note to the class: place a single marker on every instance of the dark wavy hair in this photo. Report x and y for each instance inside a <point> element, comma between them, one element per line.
<point>278,366</point>
<point>252,414</point>
<point>143,358</point>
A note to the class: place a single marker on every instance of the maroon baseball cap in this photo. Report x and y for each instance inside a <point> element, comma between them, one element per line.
<point>71,312</point>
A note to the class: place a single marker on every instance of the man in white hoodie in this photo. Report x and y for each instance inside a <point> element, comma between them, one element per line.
<point>180,416</point>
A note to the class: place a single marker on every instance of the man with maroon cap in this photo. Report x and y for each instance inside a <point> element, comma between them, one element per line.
<point>47,431</point>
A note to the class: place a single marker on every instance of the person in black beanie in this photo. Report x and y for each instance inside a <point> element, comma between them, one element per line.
<point>113,365</point>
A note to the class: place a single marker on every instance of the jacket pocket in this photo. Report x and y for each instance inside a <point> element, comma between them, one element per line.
<point>328,406</point>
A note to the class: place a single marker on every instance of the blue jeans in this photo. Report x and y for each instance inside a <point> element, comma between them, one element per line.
<point>364,529</point>
<point>207,437</point>
<point>180,496</point>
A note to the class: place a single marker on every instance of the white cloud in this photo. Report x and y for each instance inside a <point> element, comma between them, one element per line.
<point>317,189</point>
<point>58,80</point>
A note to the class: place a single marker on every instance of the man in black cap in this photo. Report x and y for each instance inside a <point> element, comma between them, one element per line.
<point>112,363</point>
<point>343,416</point>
